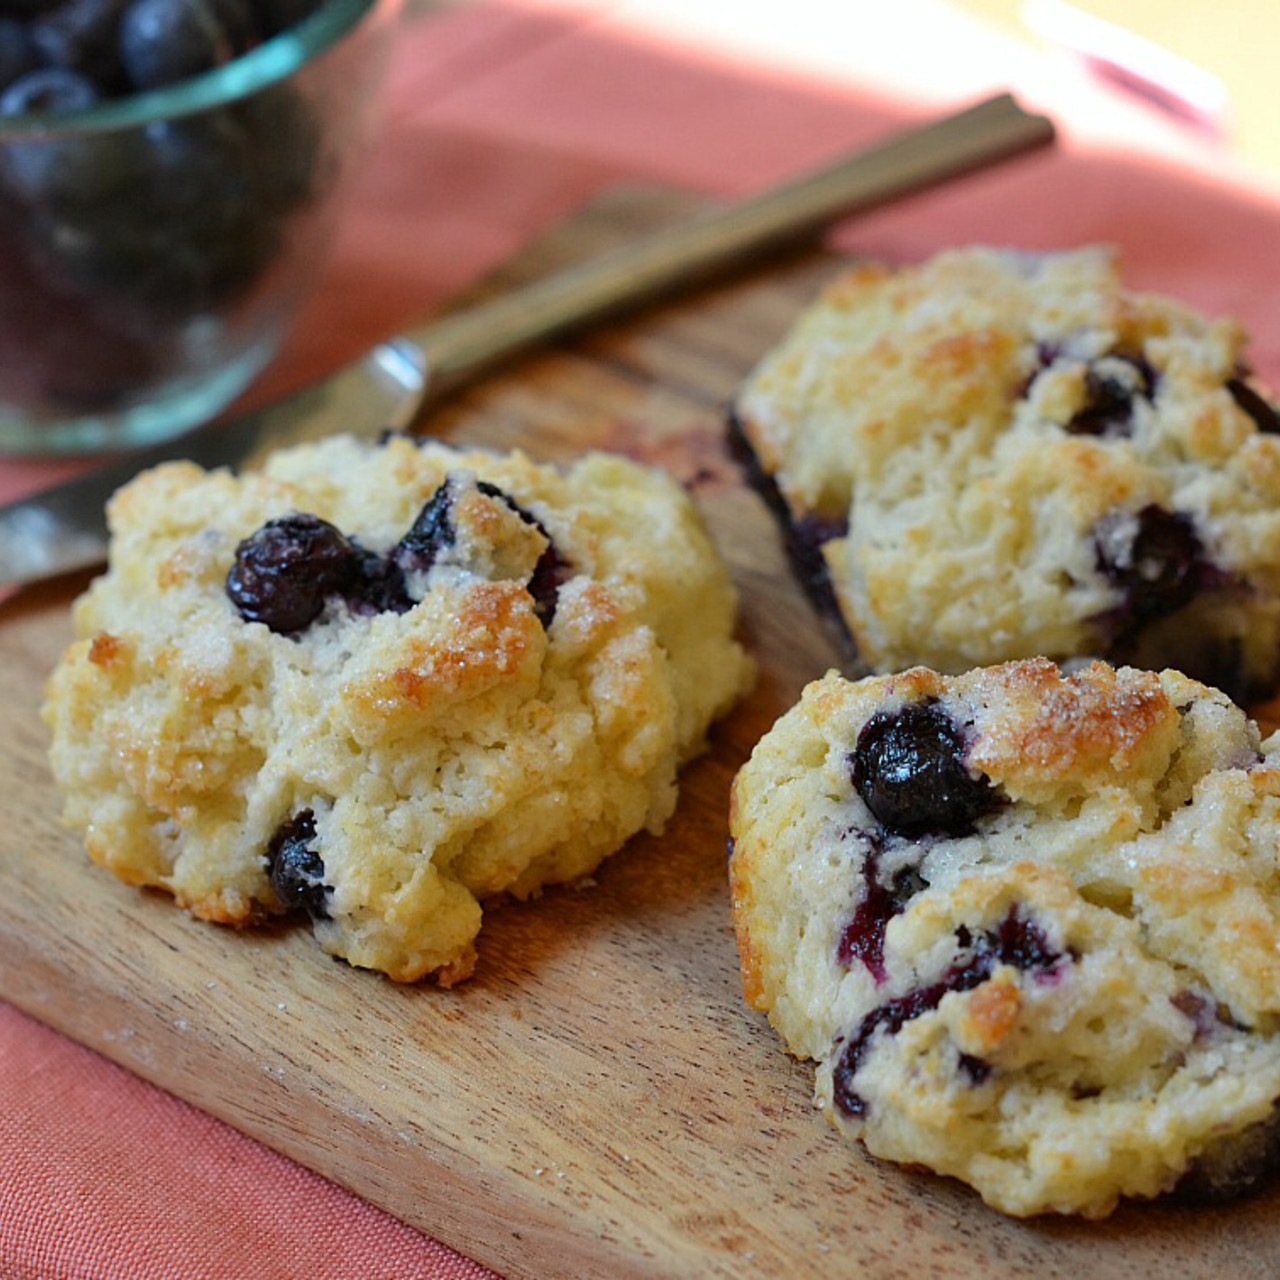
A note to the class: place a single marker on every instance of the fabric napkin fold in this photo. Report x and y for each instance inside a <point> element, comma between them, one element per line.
<point>500,118</point>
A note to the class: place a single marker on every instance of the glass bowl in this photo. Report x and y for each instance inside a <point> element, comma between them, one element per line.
<point>156,247</point>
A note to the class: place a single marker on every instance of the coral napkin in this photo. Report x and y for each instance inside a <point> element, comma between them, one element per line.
<point>500,118</point>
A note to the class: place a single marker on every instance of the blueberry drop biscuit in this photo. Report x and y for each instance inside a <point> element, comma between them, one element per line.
<point>377,684</point>
<point>1028,925</point>
<point>998,455</point>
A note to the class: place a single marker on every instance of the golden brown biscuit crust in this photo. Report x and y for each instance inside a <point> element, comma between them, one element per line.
<point>1067,997</point>
<point>466,742</point>
<point>963,438</point>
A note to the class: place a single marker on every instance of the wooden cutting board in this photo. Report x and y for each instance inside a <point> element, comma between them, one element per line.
<point>598,1100</point>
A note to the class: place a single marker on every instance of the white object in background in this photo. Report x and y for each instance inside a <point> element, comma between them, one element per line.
<point>1139,65</point>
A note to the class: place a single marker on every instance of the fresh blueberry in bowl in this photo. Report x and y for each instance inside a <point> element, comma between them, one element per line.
<point>169,171</point>
<point>17,52</point>
<point>82,36</point>
<point>164,41</point>
<point>48,89</point>
<point>30,170</point>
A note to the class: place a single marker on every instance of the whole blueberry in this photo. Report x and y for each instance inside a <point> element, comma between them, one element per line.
<point>1154,556</point>
<point>164,41</point>
<point>284,573</point>
<point>296,868</point>
<point>56,350</point>
<point>194,237</point>
<point>280,15</point>
<point>908,766</point>
<point>51,89</point>
<point>119,227</point>
<point>37,170</point>
<point>199,185</point>
<point>17,53</point>
<point>83,36</point>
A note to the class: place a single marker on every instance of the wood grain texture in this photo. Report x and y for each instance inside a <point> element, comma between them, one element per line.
<point>597,1101</point>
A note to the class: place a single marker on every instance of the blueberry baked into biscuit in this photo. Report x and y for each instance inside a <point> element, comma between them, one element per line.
<point>1028,925</point>
<point>997,455</point>
<point>380,683</point>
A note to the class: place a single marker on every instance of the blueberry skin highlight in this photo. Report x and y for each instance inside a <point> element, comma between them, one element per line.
<point>17,53</point>
<point>908,766</point>
<point>81,36</point>
<point>296,868</point>
<point>1159,563</point>
<point>50,89</point>
<point>284,573</point>
<point>165,41</point>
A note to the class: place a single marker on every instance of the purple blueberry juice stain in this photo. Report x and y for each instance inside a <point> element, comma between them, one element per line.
<point>863,937</point>
<point>1112,385</point>
<point>1022,943</point>
<point>550,573</point>
<point>1202,1013</point>
<point>1017,941</point>
<point>1046,354</point>
<point>908,766</point>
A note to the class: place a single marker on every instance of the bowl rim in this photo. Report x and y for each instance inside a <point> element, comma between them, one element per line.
<point>273,60</point>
